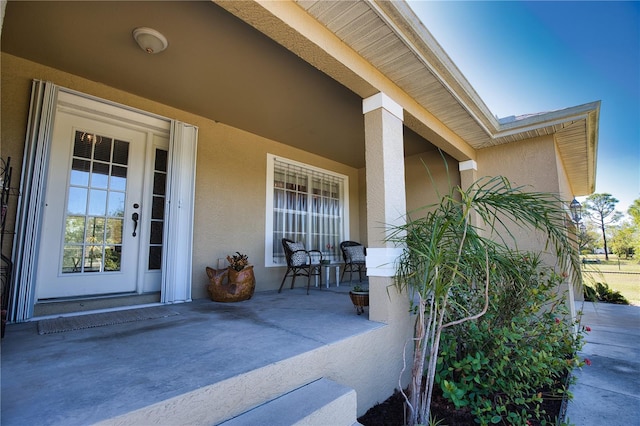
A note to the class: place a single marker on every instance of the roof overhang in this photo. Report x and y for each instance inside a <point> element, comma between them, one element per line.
<point>575,132</point>
<point>408,64</point>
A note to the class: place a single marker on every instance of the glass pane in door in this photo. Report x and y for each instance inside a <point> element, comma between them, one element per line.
<point>95,205</point>
<point>157,209</point>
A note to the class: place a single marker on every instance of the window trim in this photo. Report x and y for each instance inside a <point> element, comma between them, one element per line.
<point>271,159</point>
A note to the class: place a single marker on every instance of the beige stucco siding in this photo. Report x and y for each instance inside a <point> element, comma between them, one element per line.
<point>531,164</point>
<point>428,177</point>
<point>362,197</point>
<point>230,178</point>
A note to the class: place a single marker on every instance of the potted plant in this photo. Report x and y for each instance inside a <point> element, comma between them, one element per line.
<point>238,261</point>
<point>360,297</point>
<point>235,283</point>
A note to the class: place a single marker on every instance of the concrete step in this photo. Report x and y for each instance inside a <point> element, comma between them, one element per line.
<point>322,402</point>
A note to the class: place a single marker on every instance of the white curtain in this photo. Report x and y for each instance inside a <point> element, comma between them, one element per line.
<point>307,206</point>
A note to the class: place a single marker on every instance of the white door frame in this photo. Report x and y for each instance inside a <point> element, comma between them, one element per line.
<point>179,208</point>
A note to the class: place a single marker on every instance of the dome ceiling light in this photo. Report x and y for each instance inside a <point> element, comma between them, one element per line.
<point>150,40</point>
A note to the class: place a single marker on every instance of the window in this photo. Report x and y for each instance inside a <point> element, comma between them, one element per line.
<point>304,204</point>
<point>157,209</point>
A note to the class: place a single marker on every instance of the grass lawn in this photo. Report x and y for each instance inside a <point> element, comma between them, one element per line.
<point>622,275</point>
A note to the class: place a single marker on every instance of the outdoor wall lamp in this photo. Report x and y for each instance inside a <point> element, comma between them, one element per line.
<point>150,40</point>
<point>576,211</point>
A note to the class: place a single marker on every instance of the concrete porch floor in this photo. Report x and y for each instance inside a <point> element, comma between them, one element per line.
<point>85,376</point>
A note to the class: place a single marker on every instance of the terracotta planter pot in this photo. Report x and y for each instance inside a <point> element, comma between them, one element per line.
<point>360,299</point>
<point>229,285</point>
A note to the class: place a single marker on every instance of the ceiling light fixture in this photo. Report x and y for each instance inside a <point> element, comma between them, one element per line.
<point>90,138</point>
<point>150,40</point>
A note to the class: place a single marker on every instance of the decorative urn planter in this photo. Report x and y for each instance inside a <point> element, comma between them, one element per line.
<point>234,284</point>
<point>359,298</point>
<point>229,285</point>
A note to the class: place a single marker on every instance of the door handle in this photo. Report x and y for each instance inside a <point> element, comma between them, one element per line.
<point>135,217</point>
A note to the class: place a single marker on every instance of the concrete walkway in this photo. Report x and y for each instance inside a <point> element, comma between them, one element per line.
<point>608,391</point>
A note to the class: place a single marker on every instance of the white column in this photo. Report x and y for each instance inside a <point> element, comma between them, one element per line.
<point>386,201</point>
<point>468,173</point>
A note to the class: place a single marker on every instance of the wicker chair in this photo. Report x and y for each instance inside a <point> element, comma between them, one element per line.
<point>353,254</point>
<point>301,262</point>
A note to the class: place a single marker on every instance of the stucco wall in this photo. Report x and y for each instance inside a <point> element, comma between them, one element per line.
<point>230,177</point>
<point>362,196</point>
<point>531,164</point>
<point>427,179</point>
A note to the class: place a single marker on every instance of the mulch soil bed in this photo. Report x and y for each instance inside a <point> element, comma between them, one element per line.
<point>391,412</point>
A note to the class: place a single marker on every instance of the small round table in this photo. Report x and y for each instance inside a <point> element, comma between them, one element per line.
<point>326,269</point>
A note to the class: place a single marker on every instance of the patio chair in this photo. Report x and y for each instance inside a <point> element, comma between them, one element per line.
<point>301,262</point>
<point>353,254</point>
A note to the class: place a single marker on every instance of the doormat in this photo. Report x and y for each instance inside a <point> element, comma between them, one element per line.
<point>79,322</point>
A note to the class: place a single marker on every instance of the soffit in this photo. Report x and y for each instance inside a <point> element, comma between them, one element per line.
<point>391,37</point>
<point>575,132</point>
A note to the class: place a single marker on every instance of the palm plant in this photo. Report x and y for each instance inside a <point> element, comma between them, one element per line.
<point>458,246</point>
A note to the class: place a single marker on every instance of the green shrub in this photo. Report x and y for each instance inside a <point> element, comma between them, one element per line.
<point>502,365</point>
<point>602,293</point>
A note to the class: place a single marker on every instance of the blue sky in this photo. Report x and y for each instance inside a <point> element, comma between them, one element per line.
<point>529,57</point>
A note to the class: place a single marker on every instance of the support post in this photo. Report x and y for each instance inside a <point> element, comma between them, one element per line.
<point>386,202</point>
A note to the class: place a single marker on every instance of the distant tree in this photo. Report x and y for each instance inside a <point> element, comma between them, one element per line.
<point>587,238</point>
<point>601,209</point>
<point>623,239</point>
<point>634,212</point>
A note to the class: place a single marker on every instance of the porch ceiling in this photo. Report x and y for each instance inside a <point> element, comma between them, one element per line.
<point>216,66</point>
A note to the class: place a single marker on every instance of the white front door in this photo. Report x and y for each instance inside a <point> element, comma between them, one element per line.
<point>104,209</point>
